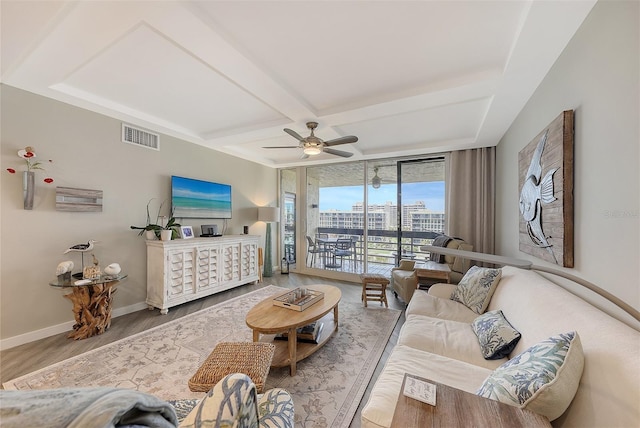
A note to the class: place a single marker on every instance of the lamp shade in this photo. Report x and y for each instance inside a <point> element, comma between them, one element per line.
<point>268,214</point>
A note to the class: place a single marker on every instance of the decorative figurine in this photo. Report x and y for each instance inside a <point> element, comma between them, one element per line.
<point>64,267</point>
<point>63,271</point>
<point>81,248</point>
<point>112,270</point>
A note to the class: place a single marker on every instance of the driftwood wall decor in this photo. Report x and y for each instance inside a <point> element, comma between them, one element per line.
<point>82,200</point>
<point>545,169</point>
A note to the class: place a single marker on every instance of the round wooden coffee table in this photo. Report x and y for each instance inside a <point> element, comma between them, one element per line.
<point>268,319</point>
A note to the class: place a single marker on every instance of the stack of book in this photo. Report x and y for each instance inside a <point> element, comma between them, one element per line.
<point>308,333</point>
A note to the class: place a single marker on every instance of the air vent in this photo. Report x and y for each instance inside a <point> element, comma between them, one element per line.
<point>140,137</point>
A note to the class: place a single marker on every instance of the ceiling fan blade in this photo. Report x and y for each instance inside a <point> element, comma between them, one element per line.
<point>304,156</point>
<point>342,140</point>
<point>337,152</point>
<point>281,147</point>
<point>294,134</point>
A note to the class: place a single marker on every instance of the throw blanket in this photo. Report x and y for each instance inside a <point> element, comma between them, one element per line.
<point>84,408</point>
<point>440,241</point>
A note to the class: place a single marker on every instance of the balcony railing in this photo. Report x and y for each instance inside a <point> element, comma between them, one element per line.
<point>381,246</point>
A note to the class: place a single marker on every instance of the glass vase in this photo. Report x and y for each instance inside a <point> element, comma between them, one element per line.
<point>28,187</point>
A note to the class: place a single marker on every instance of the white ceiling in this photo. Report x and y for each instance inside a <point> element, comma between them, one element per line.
<point>406,77</point>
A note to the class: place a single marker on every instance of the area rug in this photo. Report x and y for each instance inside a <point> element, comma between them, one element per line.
<point>326,390</point>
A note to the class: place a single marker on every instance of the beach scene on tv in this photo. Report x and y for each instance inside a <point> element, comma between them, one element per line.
<point>200,199</point>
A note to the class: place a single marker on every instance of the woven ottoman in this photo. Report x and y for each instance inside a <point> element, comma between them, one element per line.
<point>250,358</point>
<point>374,287</point>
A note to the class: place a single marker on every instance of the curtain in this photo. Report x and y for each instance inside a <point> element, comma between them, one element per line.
<point>470,212</point>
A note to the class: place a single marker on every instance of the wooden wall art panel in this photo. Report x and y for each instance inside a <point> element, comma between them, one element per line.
<point>78,200</point>
<point>545,169</point>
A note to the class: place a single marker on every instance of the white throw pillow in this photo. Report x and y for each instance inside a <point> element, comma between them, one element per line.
<point>476,288</point>
<point>543,379</point>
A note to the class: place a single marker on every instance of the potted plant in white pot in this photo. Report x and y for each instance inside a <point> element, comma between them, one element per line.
<point>151,230</point>
<point>170,230</point>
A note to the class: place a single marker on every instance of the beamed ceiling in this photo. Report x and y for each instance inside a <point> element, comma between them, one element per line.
<point>405,77</point>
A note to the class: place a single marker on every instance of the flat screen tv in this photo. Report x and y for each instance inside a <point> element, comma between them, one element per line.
<point>192,198</point>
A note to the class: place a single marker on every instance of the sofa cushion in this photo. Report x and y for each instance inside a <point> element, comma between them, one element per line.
<point>425,304</point>
<point>378,412</point>
<point>496,336</point>
<point>543,379</point>
<point>476,288</point>
<point>448,338</point>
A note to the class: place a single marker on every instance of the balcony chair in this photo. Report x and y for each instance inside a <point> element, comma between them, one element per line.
<point>312,249</point>
<point>343,248</point>
<point>320,243</point>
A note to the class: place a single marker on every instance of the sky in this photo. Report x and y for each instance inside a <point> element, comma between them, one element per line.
<point>343,198</point>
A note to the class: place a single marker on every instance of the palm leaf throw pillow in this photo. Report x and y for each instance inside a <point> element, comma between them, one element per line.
<point>476,288</point>
<point>495,334</point>
<point>543,379</point>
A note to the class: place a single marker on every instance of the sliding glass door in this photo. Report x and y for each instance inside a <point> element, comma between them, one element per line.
<point>334,232</point>
<point>421,196</point>
<point>363,216</point>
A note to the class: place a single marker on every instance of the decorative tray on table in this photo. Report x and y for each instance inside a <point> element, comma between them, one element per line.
<point>298,299</point>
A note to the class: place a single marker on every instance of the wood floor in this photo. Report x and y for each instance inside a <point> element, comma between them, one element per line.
<point>32,356</point>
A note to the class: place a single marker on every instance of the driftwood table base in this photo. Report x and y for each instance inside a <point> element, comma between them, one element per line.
<point>91,308</point>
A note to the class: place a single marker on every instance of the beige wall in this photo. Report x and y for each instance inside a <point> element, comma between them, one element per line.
<point>598,76</point>
<point>87,153</point>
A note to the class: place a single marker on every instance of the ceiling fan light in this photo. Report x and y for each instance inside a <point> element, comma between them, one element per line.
<point>312,150</point>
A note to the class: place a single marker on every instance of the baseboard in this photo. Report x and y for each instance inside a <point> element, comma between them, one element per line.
<point>32,336</point>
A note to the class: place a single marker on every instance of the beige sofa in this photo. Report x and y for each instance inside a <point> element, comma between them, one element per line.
<point>437,342</point>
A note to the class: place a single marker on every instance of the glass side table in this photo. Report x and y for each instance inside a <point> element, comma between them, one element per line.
<point>91,303</point>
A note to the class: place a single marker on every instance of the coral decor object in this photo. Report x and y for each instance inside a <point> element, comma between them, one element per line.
<point>28,176</point>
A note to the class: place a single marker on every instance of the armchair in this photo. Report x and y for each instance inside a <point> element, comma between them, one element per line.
<point>458,265</point>
<point>404,280</point>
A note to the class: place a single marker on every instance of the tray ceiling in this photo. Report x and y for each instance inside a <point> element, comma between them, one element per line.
<point>407,78</point>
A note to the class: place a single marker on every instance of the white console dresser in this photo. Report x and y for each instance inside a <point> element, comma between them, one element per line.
<point>187,269</point>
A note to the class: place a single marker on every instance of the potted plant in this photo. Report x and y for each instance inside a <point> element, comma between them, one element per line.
<point>152,230</point>
<point>170,230</point>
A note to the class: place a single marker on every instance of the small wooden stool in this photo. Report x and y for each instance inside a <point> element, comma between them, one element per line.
<point>250,358</point>
<point>374,288</point>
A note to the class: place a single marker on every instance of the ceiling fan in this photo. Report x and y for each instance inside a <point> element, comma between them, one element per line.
<point>313,145</point>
